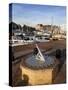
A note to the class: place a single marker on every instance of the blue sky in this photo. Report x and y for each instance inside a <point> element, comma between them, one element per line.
<point>31,14</point>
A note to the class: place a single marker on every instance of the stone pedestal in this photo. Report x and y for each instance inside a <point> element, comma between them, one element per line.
<point>39,76</point>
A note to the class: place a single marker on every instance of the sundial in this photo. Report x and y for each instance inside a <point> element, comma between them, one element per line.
<point>39,67</point>
<point>38,59</point>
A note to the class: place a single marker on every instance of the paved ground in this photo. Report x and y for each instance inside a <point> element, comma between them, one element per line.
<point>22,50</point>
<point>61,77</point>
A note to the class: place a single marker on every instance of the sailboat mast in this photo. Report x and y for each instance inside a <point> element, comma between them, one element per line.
<point>52,25</point>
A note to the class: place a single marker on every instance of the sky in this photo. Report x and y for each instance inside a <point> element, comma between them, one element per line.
<point>31,14</point>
